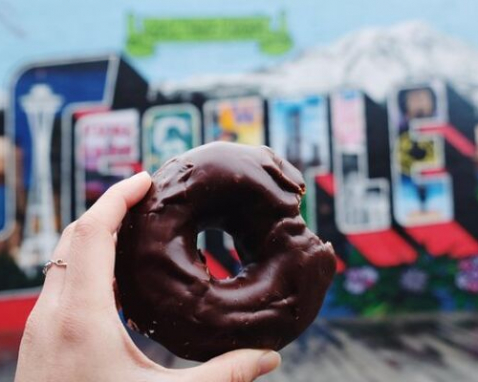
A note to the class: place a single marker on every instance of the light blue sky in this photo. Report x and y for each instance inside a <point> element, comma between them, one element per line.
<point>43,29</point>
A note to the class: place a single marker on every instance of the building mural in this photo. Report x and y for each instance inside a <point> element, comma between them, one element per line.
<point>169,131</point>
<point>390,157</point>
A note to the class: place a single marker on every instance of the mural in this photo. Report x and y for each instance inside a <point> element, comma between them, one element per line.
<point>387,144</point>
<point>298,131</point>
<point>107,150</point>
<point>169,131</point>
<point>234,120</point>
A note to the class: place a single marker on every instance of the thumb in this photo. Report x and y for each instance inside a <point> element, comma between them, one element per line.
<point>240,366</point>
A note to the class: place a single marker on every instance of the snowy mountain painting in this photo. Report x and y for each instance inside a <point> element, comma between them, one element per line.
<point>374,60</point>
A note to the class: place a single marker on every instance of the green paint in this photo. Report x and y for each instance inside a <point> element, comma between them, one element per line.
<point>388,296</point>
<point>303,210</point>
<point>143,35</point>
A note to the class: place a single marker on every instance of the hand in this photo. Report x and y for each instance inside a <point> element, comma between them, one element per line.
<point>74,333</point>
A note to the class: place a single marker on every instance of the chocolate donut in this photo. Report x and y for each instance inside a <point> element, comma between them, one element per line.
<point>164,286</point>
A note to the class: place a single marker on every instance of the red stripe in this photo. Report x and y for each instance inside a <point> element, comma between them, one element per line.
<point>453,137</point>
<point>433,172</point>
<point>215,268</point>
<point>445,239</point>
<point>135,167</point>
<point>90,110</point>
<point>14,311</point>
<point>340,265</point>
<point>327,183</point>
<point>383,248</point>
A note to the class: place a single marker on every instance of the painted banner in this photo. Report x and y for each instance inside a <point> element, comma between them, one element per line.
<point>144,33</point>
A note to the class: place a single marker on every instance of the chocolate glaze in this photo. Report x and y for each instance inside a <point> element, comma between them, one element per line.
<point>164,286</point>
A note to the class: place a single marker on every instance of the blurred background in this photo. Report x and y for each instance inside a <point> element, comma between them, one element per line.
<point>376,103</point>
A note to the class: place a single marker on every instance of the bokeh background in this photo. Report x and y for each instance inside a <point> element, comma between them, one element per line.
<point>376,103</point>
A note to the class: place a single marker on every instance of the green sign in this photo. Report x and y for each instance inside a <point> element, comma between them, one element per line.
<point>143,35</point>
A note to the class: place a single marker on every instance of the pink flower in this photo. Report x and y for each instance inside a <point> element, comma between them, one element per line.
<point>467,277</point>
<point>358,280</point>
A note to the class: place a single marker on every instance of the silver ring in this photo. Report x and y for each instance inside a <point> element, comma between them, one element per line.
<point>50,263</point>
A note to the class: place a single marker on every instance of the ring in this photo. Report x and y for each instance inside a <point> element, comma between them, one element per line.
<point>50,263</point>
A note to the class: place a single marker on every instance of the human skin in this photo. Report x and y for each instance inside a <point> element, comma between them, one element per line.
<point>74,332</point>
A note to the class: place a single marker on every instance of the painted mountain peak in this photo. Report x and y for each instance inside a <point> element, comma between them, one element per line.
<point>374,59</point>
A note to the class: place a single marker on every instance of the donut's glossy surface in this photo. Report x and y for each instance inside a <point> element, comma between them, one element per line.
<point>164,286</point>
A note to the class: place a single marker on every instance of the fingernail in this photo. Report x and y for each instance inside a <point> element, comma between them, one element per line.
<point>268,362</point>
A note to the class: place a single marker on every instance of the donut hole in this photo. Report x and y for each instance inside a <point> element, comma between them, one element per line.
<point>219,253</point>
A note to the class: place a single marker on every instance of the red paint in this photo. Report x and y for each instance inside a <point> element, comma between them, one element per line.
<point>14,311</point>
<point>9,345</point>
<point>453,137</point>
<point>90,110</point>
<point>340,265</point>
<point>433,172</point>
<point>445,239</point>
<point>215,268</point>
<point>383,248</point>
<point>133,167</point>
<point>326,182</point>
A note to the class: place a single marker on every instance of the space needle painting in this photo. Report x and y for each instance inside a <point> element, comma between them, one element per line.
<point>40,233</point>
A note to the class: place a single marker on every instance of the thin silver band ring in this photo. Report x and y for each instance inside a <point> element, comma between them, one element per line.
<point>59,263</point>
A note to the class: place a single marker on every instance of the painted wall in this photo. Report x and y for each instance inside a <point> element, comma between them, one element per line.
<point>376,106</point>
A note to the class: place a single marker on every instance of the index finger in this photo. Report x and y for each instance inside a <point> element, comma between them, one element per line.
<point>90,269</point>
<point>110,209</point>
